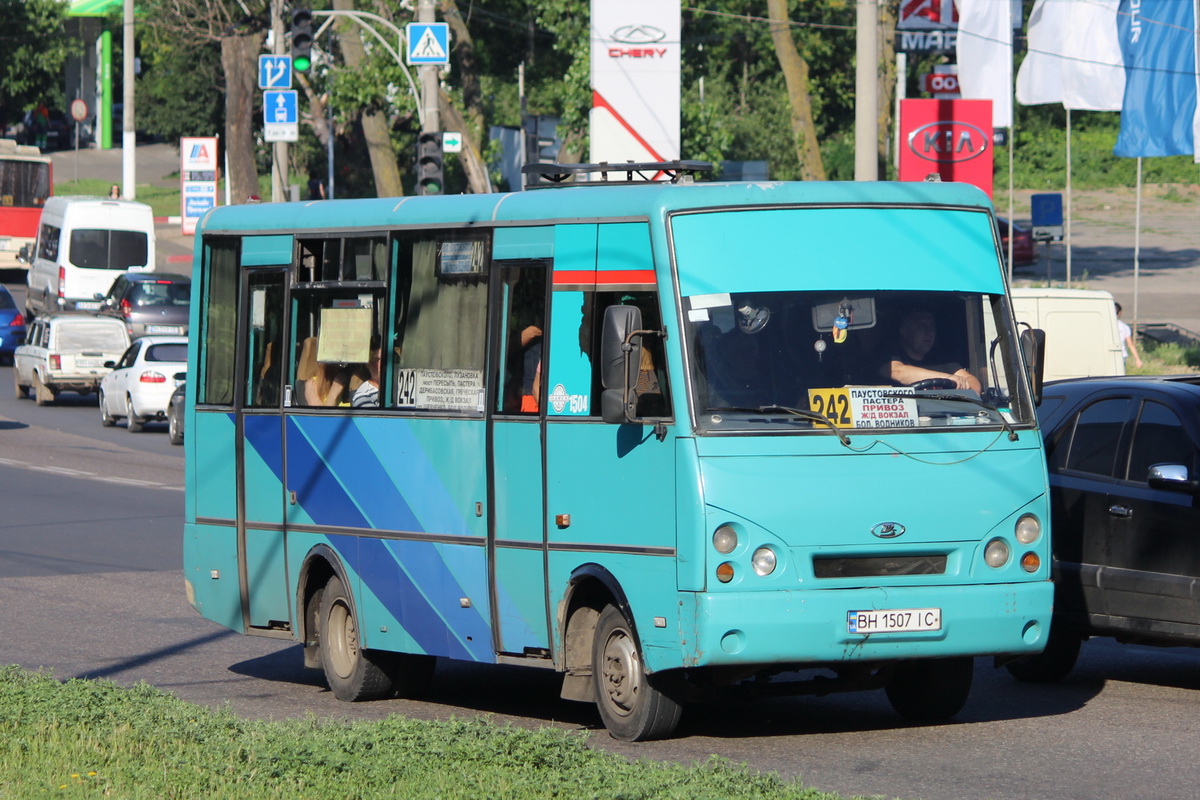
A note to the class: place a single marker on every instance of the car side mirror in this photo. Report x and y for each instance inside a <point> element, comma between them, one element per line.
<point>1171,477</point>
<point>23,254</point>
<point>110,364</point>
<point>1033,347</point>
<point>620,357</point>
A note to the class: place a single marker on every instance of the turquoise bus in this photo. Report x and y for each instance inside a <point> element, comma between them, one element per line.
<point>662,438</point>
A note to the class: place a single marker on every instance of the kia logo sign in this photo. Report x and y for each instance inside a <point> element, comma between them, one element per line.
<point>638,34</point>
<point>948,141</point>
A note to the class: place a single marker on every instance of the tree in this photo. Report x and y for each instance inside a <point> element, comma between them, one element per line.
<point>35,49</point>
<point>239,29</point>
<point>795,73</point>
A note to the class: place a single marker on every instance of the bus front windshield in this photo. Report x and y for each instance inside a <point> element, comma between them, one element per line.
<point>891,360</point>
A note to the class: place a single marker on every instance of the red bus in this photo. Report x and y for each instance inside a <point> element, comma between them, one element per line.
<point>26,180</point>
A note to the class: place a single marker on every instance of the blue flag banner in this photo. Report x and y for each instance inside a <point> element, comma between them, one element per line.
<point>1158,45</point>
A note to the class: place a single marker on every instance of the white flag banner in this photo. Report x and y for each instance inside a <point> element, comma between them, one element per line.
<point>1074,56</point>
<point>985,55</point>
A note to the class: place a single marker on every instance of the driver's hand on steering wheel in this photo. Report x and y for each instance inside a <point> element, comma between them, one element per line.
<point>961,381</point>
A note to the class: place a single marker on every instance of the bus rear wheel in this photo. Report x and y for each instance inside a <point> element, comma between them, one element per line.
<point>351,674</point>
<point>930,690</point>
<point>631,706</point>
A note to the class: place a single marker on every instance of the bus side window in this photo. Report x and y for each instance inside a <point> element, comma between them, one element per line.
<point>440,318</point>
<point>524,299</point>
<point>652,390</point>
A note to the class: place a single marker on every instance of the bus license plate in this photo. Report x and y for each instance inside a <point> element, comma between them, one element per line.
<point>894,620</point>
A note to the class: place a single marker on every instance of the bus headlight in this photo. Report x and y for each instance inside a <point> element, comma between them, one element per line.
<point>996,553</point>
<point>763,561</point>
<point>725,539</point>
<point>1028,529</point>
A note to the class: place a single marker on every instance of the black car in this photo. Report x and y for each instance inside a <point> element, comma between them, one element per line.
<point>1124,462</point>
<point>175,409</point>
<point>150,303</point>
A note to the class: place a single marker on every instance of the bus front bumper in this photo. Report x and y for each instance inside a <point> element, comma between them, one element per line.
<point>814,627</point>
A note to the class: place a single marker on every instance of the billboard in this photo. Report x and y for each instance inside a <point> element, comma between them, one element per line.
<point>952,138</point>
<point>198,171</point>
<point>635,80</point>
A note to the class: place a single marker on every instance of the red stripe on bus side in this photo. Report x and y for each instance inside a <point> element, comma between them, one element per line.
<point>604,277</point>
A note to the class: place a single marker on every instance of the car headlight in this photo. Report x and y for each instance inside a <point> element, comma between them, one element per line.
<point>763,561</point>
<point>725,539</point>
<point>996,553</point>
<point>1028,529</point>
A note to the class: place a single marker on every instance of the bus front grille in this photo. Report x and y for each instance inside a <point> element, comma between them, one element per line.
<point>879,566</point>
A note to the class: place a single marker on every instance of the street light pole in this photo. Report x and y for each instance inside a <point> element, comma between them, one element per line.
<point>430,119</point>
<point>128,130</point>
<point>280,149</point>
<point>866,92</point>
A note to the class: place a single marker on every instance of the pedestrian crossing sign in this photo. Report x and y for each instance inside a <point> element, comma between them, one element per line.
<point>428,43</point>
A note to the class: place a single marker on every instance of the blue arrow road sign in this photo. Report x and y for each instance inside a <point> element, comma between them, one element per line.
<point>428,42</point>
<point>279,108</point>
<point>274,72</point>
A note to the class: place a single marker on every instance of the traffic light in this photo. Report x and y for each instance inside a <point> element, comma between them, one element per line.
<point>429,163</point>
<point>302,39</point>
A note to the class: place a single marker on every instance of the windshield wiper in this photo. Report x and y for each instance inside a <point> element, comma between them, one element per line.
<point>1012,433</point>
<point>799,412</point>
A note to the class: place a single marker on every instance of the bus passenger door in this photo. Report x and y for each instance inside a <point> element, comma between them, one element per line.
<point>517,534</point>
<point>260,455</point>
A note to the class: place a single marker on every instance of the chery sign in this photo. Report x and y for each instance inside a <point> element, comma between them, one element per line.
<point>950,137</point>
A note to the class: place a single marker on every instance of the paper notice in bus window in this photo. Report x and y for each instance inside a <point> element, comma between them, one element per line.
<point>345,336</point>
<point>460,258</point>
<point>440,389</point>
<point>865,406</point>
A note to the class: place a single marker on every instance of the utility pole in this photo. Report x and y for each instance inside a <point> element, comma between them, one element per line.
<point>280,149</point>
<point>128,129</point>
<point>431,121</point>
<point>866,91</point>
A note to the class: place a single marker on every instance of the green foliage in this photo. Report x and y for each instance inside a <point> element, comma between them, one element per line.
<point>87,739</point>
<point>1164,358</point>
<point>34,48</point>
<point>175,89</point>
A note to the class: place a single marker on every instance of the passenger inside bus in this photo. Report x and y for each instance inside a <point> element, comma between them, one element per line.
<point>913,358</point>
<point>323,383</point>
<point>367,393</point>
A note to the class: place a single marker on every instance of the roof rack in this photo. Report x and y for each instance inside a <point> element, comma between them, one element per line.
<point>542,176</point>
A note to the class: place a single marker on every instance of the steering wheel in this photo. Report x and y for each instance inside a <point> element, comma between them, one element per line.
<point>933,383</point>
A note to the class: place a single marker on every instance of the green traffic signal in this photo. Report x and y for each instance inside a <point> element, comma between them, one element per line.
<point>302,39</point>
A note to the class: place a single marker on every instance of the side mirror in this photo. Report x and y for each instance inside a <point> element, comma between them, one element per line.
<point>1171,477</point>
<point>1033,347</point>
<point>110,364</point>
<point>620,358</point>
<point>23,254</point>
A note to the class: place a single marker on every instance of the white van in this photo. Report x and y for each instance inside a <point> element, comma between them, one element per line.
<point>1082,337</point>
<point>83,244</point>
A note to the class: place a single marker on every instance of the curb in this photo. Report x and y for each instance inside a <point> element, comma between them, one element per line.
<point>168,220</point>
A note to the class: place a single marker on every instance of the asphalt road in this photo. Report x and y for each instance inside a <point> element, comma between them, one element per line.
<point>91,586</point>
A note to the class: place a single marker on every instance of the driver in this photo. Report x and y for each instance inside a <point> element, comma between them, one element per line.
<point>910,362</point>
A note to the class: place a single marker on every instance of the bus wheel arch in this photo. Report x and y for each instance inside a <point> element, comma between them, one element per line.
<point>320,565</point>
<point>589,590</point>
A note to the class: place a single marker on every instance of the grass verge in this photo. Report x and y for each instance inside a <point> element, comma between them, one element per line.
<point>93,738</point>
<point>164,201</point>
<point>1164,358</point>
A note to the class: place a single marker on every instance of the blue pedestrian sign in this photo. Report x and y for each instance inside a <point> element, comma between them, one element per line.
<point>274,72</point>
<point>428,43</point>
<point>281,116</point>
<point>1047,217</point>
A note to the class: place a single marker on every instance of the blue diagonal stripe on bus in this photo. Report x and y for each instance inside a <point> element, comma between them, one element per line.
<point>419,615</point>
<point>263,435</point>
<point>364,479</point>
<point>321,494</point>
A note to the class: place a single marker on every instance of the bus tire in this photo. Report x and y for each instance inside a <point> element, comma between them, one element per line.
<point>931,689</point>
<point>351,674</point>
<point>1052,664</point>
<point>632,707</point>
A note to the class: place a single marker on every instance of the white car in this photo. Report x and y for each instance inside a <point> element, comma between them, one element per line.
<point>140,385</point>
<point>66,352</point>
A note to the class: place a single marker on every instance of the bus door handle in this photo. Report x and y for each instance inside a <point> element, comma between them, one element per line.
<point>292,497</point>
<point>1124,512</point>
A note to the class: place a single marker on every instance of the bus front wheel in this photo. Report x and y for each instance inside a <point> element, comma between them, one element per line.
<point>929,690</point>
<point>630,705</point>
<point>351,674</point>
